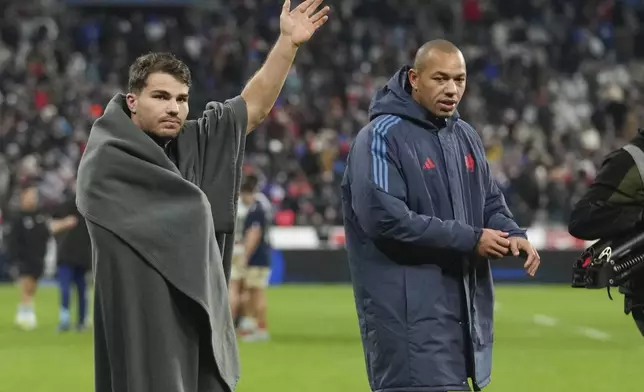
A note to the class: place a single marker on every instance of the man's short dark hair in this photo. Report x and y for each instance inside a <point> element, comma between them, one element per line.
<point>249,184</point>
<point>150,63</point>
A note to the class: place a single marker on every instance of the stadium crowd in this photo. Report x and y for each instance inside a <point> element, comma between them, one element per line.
<point>552,86</point>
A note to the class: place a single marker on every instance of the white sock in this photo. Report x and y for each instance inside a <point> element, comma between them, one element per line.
<point>247,324</point>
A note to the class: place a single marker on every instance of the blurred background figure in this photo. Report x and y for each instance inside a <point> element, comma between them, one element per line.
<point>27,236</point>
<point>74,262</point>
<point>253,267</point>
<point>237,296</point>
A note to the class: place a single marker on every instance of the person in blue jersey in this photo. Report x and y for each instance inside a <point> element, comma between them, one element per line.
<point>423,216</point>
<point>252,269</point>
<point>74,263</point>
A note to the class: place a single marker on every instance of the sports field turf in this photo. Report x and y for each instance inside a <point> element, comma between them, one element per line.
<point>548,339</point>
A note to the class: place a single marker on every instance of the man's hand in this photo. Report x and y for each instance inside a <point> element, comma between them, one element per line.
<point>300,24</point>
<point>264,87</point>
<point>59,225</point>
<point>493,243</point>
<point>70,221</point>
<point>518,244</point>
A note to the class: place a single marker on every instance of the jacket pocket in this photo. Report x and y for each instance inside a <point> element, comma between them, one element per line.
<point>483,307</point>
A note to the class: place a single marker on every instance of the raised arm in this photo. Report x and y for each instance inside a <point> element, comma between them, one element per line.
<point>296,27</point>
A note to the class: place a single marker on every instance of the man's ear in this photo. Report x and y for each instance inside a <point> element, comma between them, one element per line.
<point>131,100</point>
<point>412,75</point>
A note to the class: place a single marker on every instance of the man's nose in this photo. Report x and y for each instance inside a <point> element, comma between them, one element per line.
<point>450,88</point>
<point>173,107</point>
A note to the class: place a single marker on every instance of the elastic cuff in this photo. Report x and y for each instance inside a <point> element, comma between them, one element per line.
<point>478,232</point>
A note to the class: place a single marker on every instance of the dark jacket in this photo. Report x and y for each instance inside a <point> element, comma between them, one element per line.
<point>613,206</point>
<point>27,235</point>
<point>614,202</point>
<point>74,245</point>
<point>417,192</point>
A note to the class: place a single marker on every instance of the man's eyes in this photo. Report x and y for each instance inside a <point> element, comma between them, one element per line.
<point>165,98</point>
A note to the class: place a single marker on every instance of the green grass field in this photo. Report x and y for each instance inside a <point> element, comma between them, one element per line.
<point>547,339</point>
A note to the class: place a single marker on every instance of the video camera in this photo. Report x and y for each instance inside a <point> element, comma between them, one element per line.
<point>609,263</point>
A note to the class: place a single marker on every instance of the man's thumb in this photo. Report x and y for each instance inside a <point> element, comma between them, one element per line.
<point>287,6</point>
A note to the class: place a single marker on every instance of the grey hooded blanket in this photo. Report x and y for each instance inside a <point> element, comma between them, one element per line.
<point>158,231</point>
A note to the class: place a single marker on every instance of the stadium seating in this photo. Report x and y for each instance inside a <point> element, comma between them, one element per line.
<point>550,88</point>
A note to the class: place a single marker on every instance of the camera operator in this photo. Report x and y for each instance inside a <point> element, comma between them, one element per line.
<point>612,206</point>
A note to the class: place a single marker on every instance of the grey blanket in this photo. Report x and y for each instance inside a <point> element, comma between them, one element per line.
<point>162,318</point>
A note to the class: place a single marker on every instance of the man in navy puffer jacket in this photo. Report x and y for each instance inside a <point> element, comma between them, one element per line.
<point>422,216</point>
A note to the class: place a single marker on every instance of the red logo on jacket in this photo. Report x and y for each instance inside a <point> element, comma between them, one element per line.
<point>469,163</point>
<point>429,164</point>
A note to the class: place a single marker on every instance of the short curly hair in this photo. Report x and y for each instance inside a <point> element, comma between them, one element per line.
<point>154,62</point>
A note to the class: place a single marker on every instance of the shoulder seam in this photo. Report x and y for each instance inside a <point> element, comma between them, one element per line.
<point>398,120</point>
<point>472,132</point>
<point>466,125</point>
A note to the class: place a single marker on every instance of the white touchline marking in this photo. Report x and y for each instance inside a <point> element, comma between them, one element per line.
<point>542,319</point>
<point>497,306</point>
<point>593,333</point>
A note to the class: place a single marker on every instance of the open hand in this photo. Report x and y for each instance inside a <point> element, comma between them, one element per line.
<point>300,24</point>
<point>518,244</point>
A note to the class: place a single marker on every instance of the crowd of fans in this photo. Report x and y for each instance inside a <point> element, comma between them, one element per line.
<point>552,86</point>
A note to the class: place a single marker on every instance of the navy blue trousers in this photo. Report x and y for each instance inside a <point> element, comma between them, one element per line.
<point>68,276</point>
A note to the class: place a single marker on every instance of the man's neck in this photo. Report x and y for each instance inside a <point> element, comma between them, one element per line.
<point>439,122</point>
<point>161,141</point>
